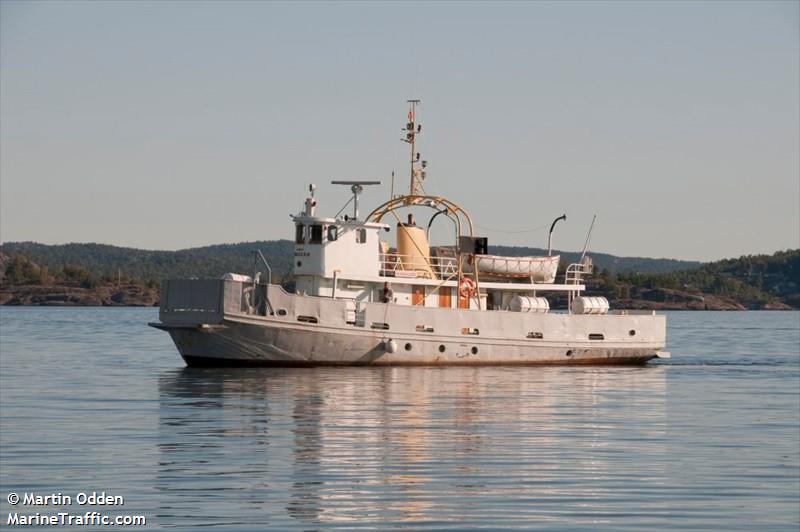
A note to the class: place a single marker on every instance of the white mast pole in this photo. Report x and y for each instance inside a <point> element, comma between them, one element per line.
<point>588,237</point>
<point>411,138</point>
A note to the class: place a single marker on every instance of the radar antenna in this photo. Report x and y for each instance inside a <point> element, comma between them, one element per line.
<point>356,187</point>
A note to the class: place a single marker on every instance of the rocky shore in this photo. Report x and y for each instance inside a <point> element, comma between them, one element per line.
<point>668,299</point>
<point>109,295</point>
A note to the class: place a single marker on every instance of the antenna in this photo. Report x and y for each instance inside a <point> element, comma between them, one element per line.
<point>412,130</point>
<point>356,187</point>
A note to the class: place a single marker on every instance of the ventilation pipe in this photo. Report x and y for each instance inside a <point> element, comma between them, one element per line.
<point>550,235</point>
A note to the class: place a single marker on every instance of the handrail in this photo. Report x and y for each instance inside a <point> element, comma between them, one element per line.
<point>576,271</point>
<point>573,275</point>
<point>256,254</point>
<point>392,262</point>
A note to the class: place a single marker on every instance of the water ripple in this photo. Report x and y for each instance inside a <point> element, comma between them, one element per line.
<point>91,399</point>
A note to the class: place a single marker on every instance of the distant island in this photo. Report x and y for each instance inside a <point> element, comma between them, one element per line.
<point>103,275</point>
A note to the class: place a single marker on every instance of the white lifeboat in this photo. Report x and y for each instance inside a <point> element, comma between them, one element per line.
<point>538,269</point>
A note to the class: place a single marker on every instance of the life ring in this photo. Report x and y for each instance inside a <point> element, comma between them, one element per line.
<point>467,287</point>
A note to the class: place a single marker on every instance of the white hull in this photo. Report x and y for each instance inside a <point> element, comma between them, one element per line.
<point>229,336</point>
<point>234,343</point>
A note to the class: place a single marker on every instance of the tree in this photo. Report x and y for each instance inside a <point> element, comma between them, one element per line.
<point>20,270</point>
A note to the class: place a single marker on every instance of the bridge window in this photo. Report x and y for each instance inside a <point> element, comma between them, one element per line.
<point>300,234</point>
<point>361,236</point>
<point>333,233</point>
<point>316,234</point>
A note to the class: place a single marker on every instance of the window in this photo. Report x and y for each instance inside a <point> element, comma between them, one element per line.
<point>316,234</point>
<point>300,234</point>
<point>418,295</point>
<point>333,233</point>
<point>361,236</point>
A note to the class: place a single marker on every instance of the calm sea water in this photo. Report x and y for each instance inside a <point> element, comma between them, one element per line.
<point>93,400</point>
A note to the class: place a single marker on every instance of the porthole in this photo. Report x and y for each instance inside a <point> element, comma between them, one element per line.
<point>299,263</point>
<point>632,332</point>
<point>474,350</point>
<point>281,312</point>
<point>569,353</point>
<point>408,347</point>
<point>442,348</point>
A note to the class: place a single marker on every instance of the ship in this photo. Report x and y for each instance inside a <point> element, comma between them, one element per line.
<point>372,290</point>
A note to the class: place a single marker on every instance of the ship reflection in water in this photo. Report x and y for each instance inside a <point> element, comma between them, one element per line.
<point>411,447</point>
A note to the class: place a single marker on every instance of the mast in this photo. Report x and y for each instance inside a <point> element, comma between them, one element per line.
<point>412,129</point>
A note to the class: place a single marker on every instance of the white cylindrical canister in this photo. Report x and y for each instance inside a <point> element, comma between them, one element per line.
<point>589,305</point>
<point>538,305</point>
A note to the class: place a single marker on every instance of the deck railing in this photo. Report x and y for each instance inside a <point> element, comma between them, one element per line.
<point>576,271</point>
<point>392,263</point>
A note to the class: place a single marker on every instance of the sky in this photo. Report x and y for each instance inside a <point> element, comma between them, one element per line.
<point>165,125</point>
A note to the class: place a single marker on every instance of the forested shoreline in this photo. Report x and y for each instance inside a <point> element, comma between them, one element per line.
<point>94,274</point>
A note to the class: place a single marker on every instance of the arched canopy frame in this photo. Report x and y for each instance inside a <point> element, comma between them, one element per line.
<point>434,202</point>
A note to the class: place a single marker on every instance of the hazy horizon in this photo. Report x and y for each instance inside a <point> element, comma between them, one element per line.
<point>175,125</point>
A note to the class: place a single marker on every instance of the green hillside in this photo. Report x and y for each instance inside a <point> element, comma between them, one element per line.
<point>753,281</point>
<point>149,265</point>
<point>211,261</point>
